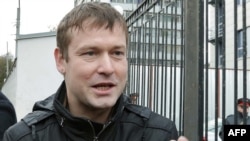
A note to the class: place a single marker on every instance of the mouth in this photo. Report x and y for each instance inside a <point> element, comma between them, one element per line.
<point>103,86</point>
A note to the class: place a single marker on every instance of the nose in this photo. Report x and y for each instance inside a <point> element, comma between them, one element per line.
<point>106,65</point>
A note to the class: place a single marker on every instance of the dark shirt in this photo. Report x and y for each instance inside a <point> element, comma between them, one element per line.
<point>7,114</point>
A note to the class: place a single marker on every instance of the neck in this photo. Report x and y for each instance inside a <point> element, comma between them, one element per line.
<point>99,116</point>
<point>91,113</point>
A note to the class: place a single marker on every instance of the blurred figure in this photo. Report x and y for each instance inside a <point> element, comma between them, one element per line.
<point>241,102</point>
<point>7,114</point>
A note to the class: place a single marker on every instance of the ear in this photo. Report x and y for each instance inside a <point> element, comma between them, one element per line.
<point>60,61</point>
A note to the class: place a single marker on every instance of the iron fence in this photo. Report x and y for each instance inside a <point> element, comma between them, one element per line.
<point>189,60</point>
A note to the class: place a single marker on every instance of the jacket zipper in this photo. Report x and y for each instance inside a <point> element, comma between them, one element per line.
<point>95,138</point>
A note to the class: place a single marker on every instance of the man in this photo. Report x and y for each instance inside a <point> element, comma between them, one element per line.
<point>230,119</point>
<point>7,114</point>
<point>89,104</point>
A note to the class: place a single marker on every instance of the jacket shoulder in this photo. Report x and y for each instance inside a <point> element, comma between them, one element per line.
<point>8,110</point>
<point>153,125</point>
<point>24,127</point>
<point>141,111</point>
<point>230,117</point>
<point>154,120</point>
<point>16,132</point>
<point>36,116</point>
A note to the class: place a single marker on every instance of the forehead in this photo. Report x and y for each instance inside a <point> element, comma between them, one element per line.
<point>98,36</point>
<point>93,23</point>
<point>89,26</point>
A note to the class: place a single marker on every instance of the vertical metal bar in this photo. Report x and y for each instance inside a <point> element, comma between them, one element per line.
<point>162,46</point>
<point>201,70</point>
<point>143,97</point>
<point>127,90</point>
<point>154,57</point>
<point>217,53</point>
<point>149,65</point>
<point>166,63</point>
<point>235,59</point>
<point>223,64</point>
<point>182,69</point>
<point>175,60</point>
<point>139,56</point>
<point>133,62</point>
<point>217,71</point>
<point>244,58</point>
<point>171,65</point>
<point>193,60</point>
<point>157,51</point>
<point>206,72</point>
<point>151,73</point>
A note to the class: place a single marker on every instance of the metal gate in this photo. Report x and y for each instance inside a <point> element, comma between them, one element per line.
<point>189,60</point>
<point>156,55</point>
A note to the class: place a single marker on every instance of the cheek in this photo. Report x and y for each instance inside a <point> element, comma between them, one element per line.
<point>123,70</point>
<point>87,71</point>
<point>79,69</point>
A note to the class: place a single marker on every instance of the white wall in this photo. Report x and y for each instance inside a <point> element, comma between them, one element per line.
<point>36,73</point>
<point>9,88</point>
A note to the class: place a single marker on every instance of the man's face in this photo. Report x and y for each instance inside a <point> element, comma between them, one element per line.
<point>241,108</point>
<point>96,72</point>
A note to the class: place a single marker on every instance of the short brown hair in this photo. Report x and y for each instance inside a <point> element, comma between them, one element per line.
<point>96,13</point>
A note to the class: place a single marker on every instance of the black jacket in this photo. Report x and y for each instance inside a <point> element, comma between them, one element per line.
<point>51,121</point>
<point>7,114</point>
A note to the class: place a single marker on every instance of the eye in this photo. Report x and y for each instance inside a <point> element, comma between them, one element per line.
<point>90,53</point>
<point>118,53</point>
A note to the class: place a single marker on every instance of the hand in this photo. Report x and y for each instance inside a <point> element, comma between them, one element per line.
<point>181,138</point>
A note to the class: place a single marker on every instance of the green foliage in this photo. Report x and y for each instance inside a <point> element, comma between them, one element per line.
<point>3,68</point>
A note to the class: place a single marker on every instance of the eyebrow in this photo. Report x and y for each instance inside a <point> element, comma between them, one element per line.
<point>120,46</point>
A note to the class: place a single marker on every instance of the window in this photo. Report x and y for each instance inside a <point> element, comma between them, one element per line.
<point>148,15</point>
<point>220,54</point>
<point>240,2</point>
<point>129,1</point>
<point>118,1</point>
<point>248,41</point>
<point>240,43</point>
<point>139,1</point>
